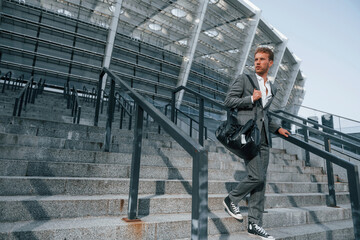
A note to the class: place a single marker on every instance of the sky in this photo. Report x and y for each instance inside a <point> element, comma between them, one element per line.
<point>325,35</point>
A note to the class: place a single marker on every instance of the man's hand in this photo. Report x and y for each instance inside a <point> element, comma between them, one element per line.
<point>256,95</point>
<point>283,132</point>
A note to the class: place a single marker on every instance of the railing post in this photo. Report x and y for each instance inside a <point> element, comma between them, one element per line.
<point>330,175</point>
<point>135,163</point>
<point>15,106</point>
<point>201,122</point>
<point>121,116</point>
<point>191,127</point>
<point>354,189</point>
<point>97,107</point>
<point>110,113</point>
<point>176,116</point>
<point>199,213</point>
<point>306,139</point>
<point>173,107</point>
<point>130,117</point>
<point>79,114</point>
<point>20,105</point>
<point>26,97</point>
<point>30,90</point>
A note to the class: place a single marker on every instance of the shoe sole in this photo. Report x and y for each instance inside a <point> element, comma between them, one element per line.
<point>230,213</point>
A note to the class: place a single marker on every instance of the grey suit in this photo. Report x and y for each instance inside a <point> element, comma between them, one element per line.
<point>239,97</point>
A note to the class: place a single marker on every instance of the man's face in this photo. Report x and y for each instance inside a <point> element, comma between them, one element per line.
<point>262,63</point>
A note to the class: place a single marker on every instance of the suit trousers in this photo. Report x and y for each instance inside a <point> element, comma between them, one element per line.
<point>254,183</point>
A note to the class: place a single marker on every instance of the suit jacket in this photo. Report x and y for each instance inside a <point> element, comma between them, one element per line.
<point>239,97</point>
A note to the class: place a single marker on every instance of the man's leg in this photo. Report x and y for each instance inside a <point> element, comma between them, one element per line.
<point>257,195</point>
<point>250,182</point>
<point>245,186</point>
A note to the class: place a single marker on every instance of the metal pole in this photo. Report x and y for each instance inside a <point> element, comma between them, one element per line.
<point>21,104</point>
<point>15,106</point>
<point>191,127</point>
<point>130,117</point>
<point>110,113</point>
<point>330,175</point>
<point>201,122</point>
<point>135,163</point>
<point>306,139</point>
<point>97,108</point>
<point>199,213</point>
<point>354,189</point>
<point>173,107</point>
<point>121,116</point>
<point>78,118</point>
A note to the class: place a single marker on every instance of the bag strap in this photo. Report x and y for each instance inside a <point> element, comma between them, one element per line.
<point>256,103</point>
<point>251,81</point>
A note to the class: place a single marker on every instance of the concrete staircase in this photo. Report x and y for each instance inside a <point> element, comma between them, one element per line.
<point>57,183</point>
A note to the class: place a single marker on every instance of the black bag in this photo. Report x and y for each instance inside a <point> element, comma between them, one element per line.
<point>242,140</point>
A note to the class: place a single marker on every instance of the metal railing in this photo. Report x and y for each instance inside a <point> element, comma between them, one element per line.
<point>75,105</point>
<point>352,169</point>
<point>125,107</point>
<point>339,124</point>
<point>336,136</point>
<point>6,77</point>
<point>191,119</point>
<point>199,216</point>
<point>73,102</point>
<point>201,108</point>
<point>23,98</point>
<point>39,88</point>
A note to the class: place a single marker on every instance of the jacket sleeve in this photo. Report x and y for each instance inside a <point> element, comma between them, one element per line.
<point>238,96</point>
<point>273,126</point>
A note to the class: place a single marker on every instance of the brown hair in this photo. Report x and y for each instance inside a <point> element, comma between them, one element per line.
<point>265,50</point>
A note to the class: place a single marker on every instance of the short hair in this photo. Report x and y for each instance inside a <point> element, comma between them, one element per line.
<point>265,50</point>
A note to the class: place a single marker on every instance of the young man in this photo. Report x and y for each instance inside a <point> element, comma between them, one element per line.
<point>243,97</point>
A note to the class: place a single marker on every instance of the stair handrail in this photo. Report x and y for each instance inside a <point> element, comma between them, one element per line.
<point>317,110</point>
<point>93,94</point>
<point>124,109</point>
<point>326,133</point>
<point>189,117</point>
<point>19,100</point>
<point>199,217</point>
<point>352,169</point>
<point>7,76</point>
<point>201,108</point>
<point>75,106</point>
<point>67,93</point>
<point>85,93</point>
<point>37,90</point>
<point>328,129</point>
<point>17,83</point>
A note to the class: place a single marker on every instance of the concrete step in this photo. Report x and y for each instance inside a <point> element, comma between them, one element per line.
<point>329,230</point>
<point>25,185</point>
<point>36,127</point>
<point>67,168</point>
<point>26,208</point>
<point>172,226</point>
<point>216,160</point>
<point>156,156</point>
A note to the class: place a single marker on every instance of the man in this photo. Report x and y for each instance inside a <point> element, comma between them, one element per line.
<point>243,97</point>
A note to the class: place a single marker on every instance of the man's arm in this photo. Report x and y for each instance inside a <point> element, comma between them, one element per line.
<point>236,98</point>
